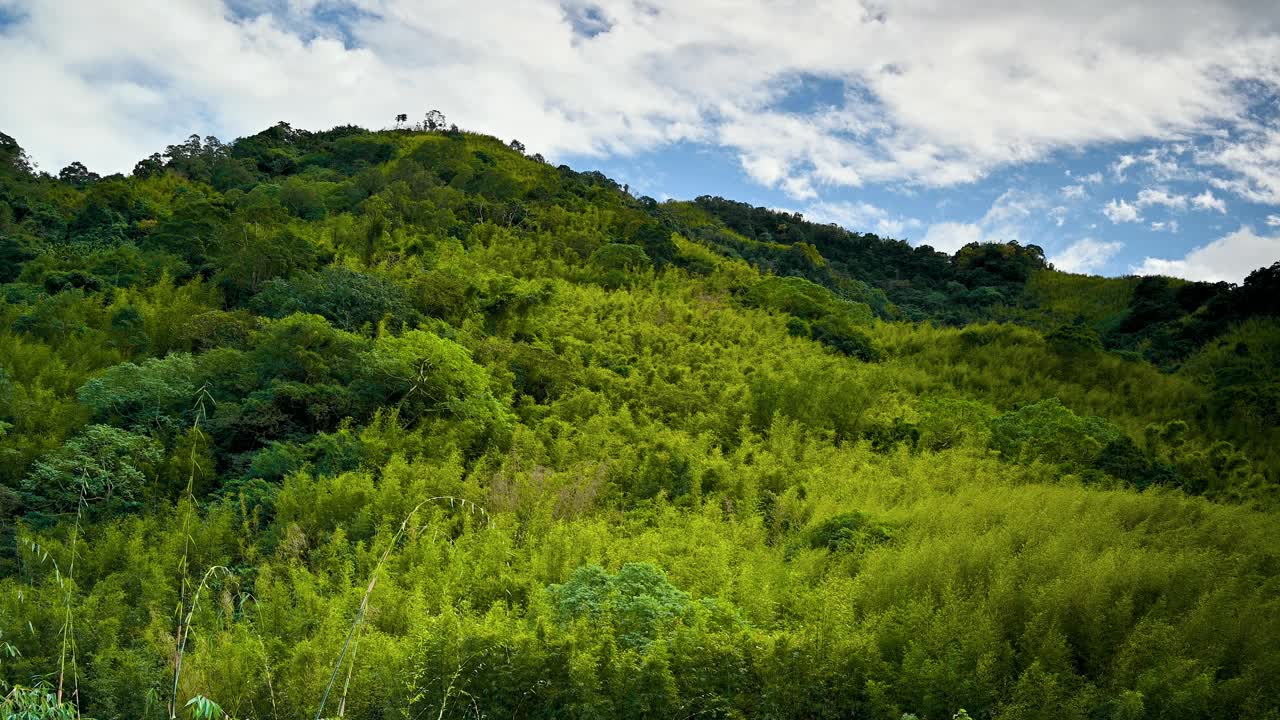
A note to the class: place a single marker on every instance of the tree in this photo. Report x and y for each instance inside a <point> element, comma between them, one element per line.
<point>1074,340</point>
<point>352,154</point>
<point>517,146</point>
<point>153,395</point>
<point>306,348</point>
<point>1260,293</point>
<point>639,601</point>
<point>12,157</point>
<point>252,254</point>
<point>618,261</point>
<point>401,119</point>
<point>301,199</point>
<point>424,374</point>
<point>350,300</point>
<point>656,241</point>
<point>77,174</point>
<point>847,531</point>
<point>1050,431</point>
<point>434,121</point>
<point>375,229</point>
<point>192,228</point>
<point>150,166</point>
<point>105,466</point>
<point>13,255</point>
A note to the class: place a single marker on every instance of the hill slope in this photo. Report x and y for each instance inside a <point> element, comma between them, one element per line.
<point>397,424</point>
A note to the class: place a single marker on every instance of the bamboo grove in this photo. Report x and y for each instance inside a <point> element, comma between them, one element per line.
<point>409,423</point>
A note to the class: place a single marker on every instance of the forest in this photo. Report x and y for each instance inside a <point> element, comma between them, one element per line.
<point>411,423</point>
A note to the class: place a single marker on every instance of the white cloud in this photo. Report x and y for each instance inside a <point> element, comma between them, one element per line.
<point>1122,163</point>
<point>1162,164</point>
<point>1118,211</point>
<point>936,94</point>
<point>1005,220</point>
<point>1159,163</point>
<point>1252,159</point>
<point>799,188</point>
<point>764,170</point>
<point>1273,221</point>
<point>1058,215</point>
<point>951,236</point>
<point>861,217</point>
<point>1011,208</point>
<point>1073,192</point>
<point>1085,256</point>
<point>1159,196</point>
<point>1207,201</point>
<point>1229,258</point>
<point>1170,225</point>
<point>1092,178</point>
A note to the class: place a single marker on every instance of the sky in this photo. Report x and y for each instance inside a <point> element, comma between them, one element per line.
<point>1121,137</point>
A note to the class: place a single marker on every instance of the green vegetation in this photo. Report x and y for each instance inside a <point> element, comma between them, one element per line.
<point>408,424</point>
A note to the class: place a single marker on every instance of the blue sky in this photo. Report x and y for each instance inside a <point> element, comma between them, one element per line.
<point>1140,136</point>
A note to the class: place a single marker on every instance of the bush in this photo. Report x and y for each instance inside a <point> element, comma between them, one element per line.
<point>847,531</point>
<point>105,466</point>
<point>639,602</point>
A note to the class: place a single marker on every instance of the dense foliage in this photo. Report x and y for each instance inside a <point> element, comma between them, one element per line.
<point>408,424</point>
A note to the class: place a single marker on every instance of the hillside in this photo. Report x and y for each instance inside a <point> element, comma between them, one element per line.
<point>407,424</point>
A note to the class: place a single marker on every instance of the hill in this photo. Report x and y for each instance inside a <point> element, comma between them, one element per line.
<point>409,423</point>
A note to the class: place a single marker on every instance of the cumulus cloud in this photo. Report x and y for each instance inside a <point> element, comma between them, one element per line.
<point>1012,208</point>
<point>1119,211</point>
<point>1170,225</point>
<point>951,236</point>
<point>932,94</point>
<point>861,217</point>
<point>1007,219</point>
<point>1273,221</point>
<point>800,188</point>
<point>1161,162</point>
<point>1122,163</point>
<point>1073,192</point>
<point>1085,256</point>
<point>1229,258</point>
<point>1251,159</point>
<point>1207,201</point>
<point>1159,196</point>
<point>1158,163</point>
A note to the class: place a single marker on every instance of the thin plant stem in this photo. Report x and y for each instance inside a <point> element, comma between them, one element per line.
<point>364,604</point>
<point>373,581</point>
<point>184,562</point>
<point>266,659</point>
<point>185,632</point>
<point>68,620</point>
<point>351,669</point>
